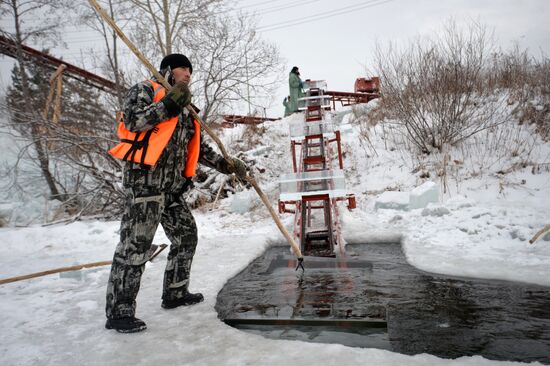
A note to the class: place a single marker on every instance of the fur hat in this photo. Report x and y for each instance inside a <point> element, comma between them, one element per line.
<point>176,60</point>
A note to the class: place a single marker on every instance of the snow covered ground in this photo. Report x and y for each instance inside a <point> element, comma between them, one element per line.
<point>480,228</point>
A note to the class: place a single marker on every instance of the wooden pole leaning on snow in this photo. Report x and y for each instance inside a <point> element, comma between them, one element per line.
<point>250,179</point>
<point>539,233</point>
<point>56,270</point>
<point>76,267</point>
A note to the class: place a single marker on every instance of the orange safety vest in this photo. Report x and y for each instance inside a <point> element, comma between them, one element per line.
<point>145,147</point>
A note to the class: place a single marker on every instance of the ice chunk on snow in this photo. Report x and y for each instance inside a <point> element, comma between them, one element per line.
<point>393,200</point>
<point>424,194</point>
<point>417,198</point>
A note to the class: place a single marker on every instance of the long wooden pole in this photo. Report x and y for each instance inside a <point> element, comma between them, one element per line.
<point>164,83</point>
<point>76,267</point>
<point>55,270</point>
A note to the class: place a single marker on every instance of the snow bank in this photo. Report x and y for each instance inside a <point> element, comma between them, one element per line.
<point>480,229</point>
<point>472,225</point>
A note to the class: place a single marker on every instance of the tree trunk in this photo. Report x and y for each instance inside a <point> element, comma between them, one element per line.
<point>116,71</point>
<point>35,131</point>
<point>167,33</point>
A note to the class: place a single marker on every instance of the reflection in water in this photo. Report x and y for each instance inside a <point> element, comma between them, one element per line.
<point>444,316</point>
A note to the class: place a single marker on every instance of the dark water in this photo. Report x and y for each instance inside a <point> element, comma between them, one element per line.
<point>425,313</point>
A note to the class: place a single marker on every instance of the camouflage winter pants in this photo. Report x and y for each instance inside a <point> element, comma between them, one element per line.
<point>145,208</point>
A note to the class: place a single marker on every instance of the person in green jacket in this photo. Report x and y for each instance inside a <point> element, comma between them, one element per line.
<point>295,87</point>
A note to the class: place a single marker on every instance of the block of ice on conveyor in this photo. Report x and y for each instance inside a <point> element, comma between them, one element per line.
<point>314,84</point>
<point>424,194</point>
<point>297,185</point>
<point>392,200</point>
<point>314,100</point>
<point>299,130</point>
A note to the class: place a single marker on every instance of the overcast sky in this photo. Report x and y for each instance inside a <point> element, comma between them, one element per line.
<point>334,40</point>
<point>338,48</point>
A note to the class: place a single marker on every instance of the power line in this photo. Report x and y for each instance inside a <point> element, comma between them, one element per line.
<point>270,27</point>
<point>254,5</point>
<point>288,6</point>
<point>330,12</point>
<point>260,11</point>
<point>323,15</point>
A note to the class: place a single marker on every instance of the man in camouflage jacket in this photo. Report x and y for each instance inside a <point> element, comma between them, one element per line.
<point>154,196</point>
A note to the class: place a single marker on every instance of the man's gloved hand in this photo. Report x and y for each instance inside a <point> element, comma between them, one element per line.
<point>177,98</point>
<point>238,167</point>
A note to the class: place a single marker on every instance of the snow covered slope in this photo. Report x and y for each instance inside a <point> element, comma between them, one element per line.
<point>482,232</point>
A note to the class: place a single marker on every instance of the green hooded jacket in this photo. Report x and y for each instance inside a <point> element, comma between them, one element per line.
<point>295,87</point>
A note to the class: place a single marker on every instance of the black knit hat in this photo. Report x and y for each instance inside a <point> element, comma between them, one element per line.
<point>176,60</point>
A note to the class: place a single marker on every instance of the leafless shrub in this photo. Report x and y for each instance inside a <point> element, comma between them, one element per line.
<point>252,136</point>
<point>494,152</point>
<point>436,88</point>
<point>501,149</point>
<point>528,80</point>
<point>469,109</point>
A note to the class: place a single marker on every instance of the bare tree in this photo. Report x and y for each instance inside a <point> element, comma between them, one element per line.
<point>46,29</point>
<point>234,63</point>
<point>111,62</point>
<point>167,25</point>
<point>230,61</point>
<point>76,144</point>
<point>70,151</point>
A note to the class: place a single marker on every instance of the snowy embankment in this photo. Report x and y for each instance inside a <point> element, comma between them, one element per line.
<point>485,216</point>
<point>483,231</point>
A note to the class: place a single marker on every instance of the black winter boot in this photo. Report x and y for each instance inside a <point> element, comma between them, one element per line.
<point>187,299</point>
<point>128,324</point>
